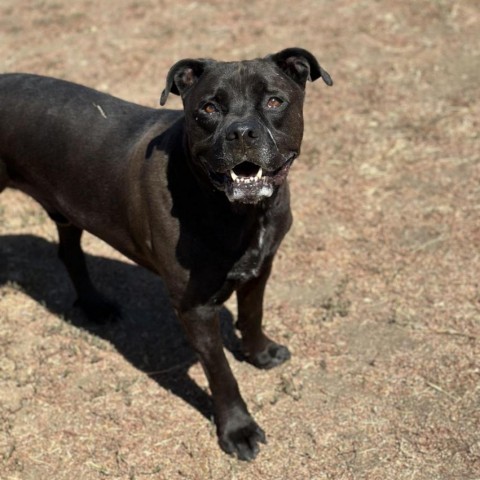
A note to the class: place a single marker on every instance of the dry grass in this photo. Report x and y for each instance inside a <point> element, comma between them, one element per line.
<point>376,289</point>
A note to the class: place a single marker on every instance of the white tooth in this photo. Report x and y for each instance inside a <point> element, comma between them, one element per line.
<point>259,174</point>
<point>233,175</point>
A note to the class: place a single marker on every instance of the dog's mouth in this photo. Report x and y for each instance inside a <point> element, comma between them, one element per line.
<point>247,182</point>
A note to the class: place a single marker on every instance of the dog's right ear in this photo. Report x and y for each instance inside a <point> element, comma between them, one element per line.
<point>183,75</point>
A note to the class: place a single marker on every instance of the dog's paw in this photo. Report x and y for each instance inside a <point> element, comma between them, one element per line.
<point>273,355</point>
<point>241,437</point>
<point>98,309</point>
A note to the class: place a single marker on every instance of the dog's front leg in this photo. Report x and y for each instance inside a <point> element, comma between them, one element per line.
<point>260,350</point>
<point>237,431</point>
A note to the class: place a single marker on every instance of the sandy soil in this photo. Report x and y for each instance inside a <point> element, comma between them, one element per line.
<point>375,290</point>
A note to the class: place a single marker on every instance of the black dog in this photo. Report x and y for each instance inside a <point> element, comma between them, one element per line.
<point>199,197</point>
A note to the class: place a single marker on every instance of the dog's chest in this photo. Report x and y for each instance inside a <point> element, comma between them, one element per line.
<point>249,265</point>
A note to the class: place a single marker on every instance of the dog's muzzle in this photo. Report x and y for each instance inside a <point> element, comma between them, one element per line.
<point>248,182</point>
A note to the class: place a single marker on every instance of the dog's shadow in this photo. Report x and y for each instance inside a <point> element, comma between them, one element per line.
<point>149,336</point>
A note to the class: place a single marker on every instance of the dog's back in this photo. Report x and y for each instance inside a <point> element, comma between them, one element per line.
<point>57,139</point>
<point>48,122</point>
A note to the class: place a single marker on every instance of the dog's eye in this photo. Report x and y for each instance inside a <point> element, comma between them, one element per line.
<point>210,108</point>
<point>274,102</point>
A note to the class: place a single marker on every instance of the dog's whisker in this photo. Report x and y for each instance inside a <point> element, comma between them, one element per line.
<point>273,138</point>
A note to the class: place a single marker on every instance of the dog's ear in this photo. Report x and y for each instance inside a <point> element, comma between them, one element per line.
<point>183,75</point>
<point>300,65</point>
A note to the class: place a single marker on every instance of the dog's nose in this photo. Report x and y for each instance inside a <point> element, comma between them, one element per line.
<point>246,132</point>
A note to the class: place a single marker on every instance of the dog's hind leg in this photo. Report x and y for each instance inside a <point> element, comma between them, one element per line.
<point>95,306</point>
<point>3,175</point>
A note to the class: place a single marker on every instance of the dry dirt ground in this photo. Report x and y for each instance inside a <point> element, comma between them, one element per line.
<point>375,290</point>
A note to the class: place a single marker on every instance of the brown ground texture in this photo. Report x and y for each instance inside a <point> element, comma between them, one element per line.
<point>375,289</point>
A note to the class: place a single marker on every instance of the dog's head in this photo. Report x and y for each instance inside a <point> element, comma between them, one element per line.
<point>244,120</point>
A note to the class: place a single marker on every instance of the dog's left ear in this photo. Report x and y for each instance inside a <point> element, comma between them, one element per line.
<point>300,65</point>
<point>183,75</point>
